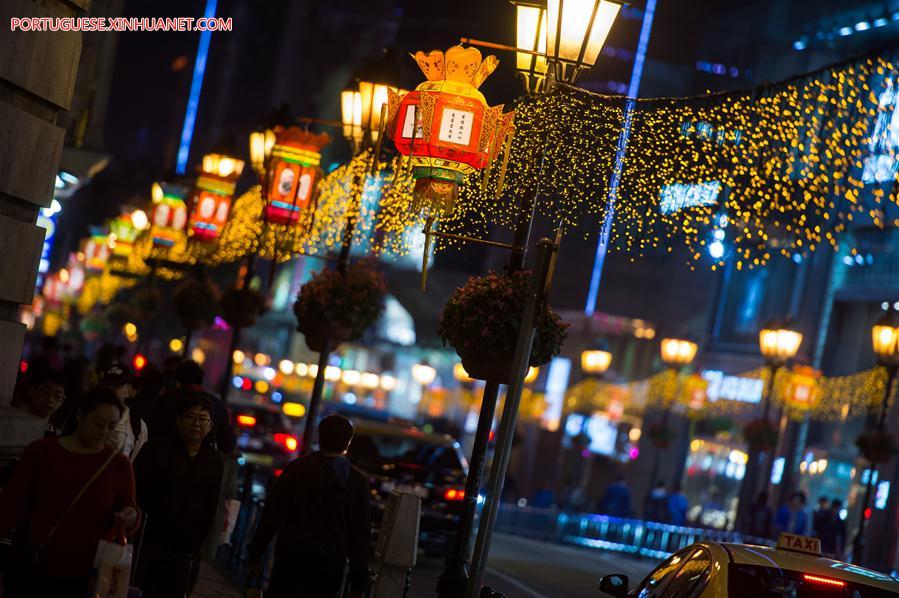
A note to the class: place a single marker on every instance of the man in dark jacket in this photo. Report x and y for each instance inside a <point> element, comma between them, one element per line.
<point>178,482</point>
<point>320,509</point>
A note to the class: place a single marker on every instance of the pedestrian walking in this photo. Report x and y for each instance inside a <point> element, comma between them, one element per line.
<point>617,499</point>
<point>656,506</point>
<point>178,484</point>
<point>792,517</point>
<point>832,531</point>
<point>64,496</point>
<point>677,506</point>
<point>822,511</point>
<point>131,432</point>
<point>320,509</point>
<point>44,394</point>
<point>759,519</point>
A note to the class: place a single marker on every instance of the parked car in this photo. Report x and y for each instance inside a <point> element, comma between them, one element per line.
<point>431,466</point>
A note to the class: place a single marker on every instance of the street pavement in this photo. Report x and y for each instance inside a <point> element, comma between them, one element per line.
<point>524,568</point>
<point>517,567</point>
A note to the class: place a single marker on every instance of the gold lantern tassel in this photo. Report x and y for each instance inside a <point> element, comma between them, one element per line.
<point>502,170</point>
<point>427,250</point>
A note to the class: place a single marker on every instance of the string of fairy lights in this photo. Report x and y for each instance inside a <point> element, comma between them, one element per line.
<point>834,398</point>
<point>781,169</point>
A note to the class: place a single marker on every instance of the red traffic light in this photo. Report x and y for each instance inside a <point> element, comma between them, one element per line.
<point>139,362</point>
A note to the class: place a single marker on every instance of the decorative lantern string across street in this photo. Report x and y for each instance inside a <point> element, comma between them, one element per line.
<point>878,445</point>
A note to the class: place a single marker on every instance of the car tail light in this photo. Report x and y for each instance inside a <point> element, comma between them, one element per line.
<point>247,421</point>
<point>454,494</point>
<point>288,441</point>
<point>824,581</point>
<point>278,473</point>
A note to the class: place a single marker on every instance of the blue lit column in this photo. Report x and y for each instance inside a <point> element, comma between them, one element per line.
<point>632,91</point>
<point>196,86</point>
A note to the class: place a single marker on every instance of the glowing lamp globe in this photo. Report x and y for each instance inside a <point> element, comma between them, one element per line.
<point>530,39</point>
<point>445,125</point>
<point>576,32</point>
<point>169,214</point>
<point>293,167</point>
<point>885,339</point>
<point>595,362</point>
<point>211,201</point>
<point>779,341</point>
<point>423,373</point>
<point>678,352</point>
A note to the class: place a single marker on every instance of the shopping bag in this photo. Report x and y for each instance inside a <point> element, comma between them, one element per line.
<point>112,570</point>
<point>232,510</point>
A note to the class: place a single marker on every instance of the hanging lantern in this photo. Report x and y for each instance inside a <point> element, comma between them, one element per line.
<point>124,230</point>
<point>169,213</point>
<point>53,288</point>
<point>96,250</point>
<point>211,201</point>
<point>803,392</point>
<point>445,125</point>
<point>292,169</point>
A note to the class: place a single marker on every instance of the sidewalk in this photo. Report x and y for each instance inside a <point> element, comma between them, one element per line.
<point>216,584</point>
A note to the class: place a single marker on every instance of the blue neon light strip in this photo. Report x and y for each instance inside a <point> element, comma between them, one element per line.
<point>632,91</point>
<point>196,86</point>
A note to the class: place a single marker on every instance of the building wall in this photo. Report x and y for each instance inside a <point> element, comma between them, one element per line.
<point>37,80</point>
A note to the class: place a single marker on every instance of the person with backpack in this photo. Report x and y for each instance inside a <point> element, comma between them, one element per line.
<point>320,510</point>
<point>64,496</point>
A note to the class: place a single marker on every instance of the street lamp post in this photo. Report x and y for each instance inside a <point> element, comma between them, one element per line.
<point>363,116</point>
<point>676,355</point>
<point>595,363</point>
<point>424,375</point>
<point>576,32</point>
<point>779,342</point>
<point>885,342</point>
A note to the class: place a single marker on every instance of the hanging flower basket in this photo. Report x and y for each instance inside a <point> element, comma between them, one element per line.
<point>196,303</point>
<point>876,447</point>
<point>481,321</point>
<point>242,307</point>
<point>340,307</point>
<point>761,434</point>
<point>661,435</point>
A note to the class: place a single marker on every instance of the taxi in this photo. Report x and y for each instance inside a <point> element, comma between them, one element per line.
<point>794,569</point>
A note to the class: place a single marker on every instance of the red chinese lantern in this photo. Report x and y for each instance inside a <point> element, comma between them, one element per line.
<point>803,392</point>
<point>445,125</point>
<point>53,288</point>
<point>211,201</point>
<point>292,169</point>
<point>169,213</point>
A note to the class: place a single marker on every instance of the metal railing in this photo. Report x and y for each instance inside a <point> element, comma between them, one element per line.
<point>629,536</point>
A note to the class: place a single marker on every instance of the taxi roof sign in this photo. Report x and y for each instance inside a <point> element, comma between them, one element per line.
<point>797,543</point>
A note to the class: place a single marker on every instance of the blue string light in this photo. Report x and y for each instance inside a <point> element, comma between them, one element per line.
<point>196,86</point>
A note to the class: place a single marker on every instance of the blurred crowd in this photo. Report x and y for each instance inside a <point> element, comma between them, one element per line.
<point>148,457</point>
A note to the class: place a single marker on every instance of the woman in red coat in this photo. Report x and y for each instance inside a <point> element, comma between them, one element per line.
<point>64,495</point>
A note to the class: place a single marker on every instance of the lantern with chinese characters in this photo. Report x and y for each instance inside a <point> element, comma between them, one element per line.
<point>96,250</point>
<point>169,213</point>
<point>53,289</point>
<point>803,392</point>
<point>211,201</point>
<point>292,171</point>
<point>445,125</point>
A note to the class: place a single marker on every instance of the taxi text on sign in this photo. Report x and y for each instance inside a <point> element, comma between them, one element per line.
<point>799,543</point>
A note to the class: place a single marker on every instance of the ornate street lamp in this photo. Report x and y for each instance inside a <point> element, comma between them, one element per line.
<point>676,354</point>
<point>530,39</point>
<point>576,32</point>
<point>595,362</point>
<point>885,342</point>
<point>362,113</point>
<point>778,343</point>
